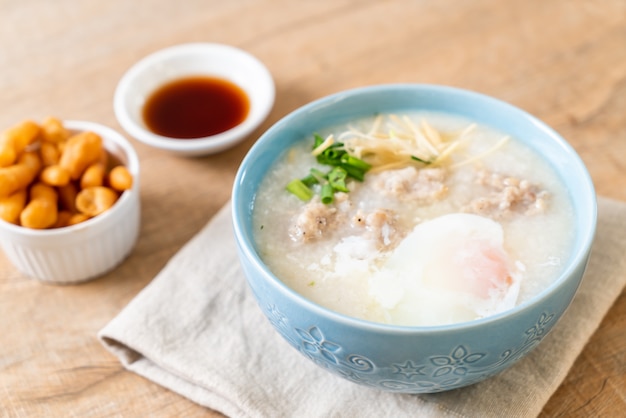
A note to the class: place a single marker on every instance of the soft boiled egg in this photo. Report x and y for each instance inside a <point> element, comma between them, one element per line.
<point>450,269</point>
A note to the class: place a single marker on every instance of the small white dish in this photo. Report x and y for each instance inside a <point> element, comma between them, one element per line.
<point>194,59</point>
<point>91,248</point>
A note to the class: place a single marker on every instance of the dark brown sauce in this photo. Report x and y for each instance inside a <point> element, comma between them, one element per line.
<point>195,107</point>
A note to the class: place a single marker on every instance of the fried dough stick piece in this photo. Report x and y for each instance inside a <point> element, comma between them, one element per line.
<point>14,141</point>
<point>12,206</point>
<point>41,212</point>
<point>20,175</point>
<point>80,152</point>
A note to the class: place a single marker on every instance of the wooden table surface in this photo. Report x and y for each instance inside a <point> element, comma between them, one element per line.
<point>562,60</point>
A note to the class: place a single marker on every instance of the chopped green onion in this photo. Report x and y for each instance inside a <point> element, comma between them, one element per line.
<point>318,141</point>
<point>318,175</point>
<point>337,179</point>
<point>327,194</point>
<point>309,180</point>
<point>330,156</point>
<point>354,172</point>
<point>344,166</point>
<point>355,162</point>
<point>298,188</point>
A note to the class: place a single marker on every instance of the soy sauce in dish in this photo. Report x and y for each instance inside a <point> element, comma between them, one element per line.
<point>195,107</point>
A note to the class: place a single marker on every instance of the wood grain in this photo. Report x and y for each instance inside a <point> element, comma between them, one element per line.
<point>562,60</point>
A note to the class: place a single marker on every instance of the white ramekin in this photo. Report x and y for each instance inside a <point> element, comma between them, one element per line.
<point>89,249</point>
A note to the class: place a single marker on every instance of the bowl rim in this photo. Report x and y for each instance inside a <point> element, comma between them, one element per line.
<point>246,245</point>
<point>208,144</point>
<point>132,164</point>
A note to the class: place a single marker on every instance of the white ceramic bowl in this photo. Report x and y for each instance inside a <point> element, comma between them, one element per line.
<point>195,59</point>
<point>89,249</point>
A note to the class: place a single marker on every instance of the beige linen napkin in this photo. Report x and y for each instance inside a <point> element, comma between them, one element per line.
<point>196,330</point>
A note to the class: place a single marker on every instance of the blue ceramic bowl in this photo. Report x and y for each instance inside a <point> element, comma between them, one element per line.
<point>399,358</point>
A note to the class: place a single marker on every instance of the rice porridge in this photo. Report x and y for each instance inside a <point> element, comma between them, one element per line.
<point>430,219</point>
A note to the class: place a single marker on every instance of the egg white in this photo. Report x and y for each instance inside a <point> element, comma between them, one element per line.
<point>453,268</point>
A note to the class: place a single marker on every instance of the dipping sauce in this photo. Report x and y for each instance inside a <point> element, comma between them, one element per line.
<point>195,107</point>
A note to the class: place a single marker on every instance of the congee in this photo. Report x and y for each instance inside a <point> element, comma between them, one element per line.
<point>418,219</point>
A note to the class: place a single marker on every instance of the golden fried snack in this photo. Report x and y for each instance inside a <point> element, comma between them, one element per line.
<point>93,201</point>
<point>68,176</point>
<point>120,178</point>
<point>12,206</point>
<point>30,159</point>
<point>52,130</point>
<point>55,175</point>
<point>41,212</point>
<point>93,176</point>
<point>14,141</point>
<point>7,153</point>
<point>20,175</point>
<point>80,151</point>
<point>61,148</point>
<point>49,153</point>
